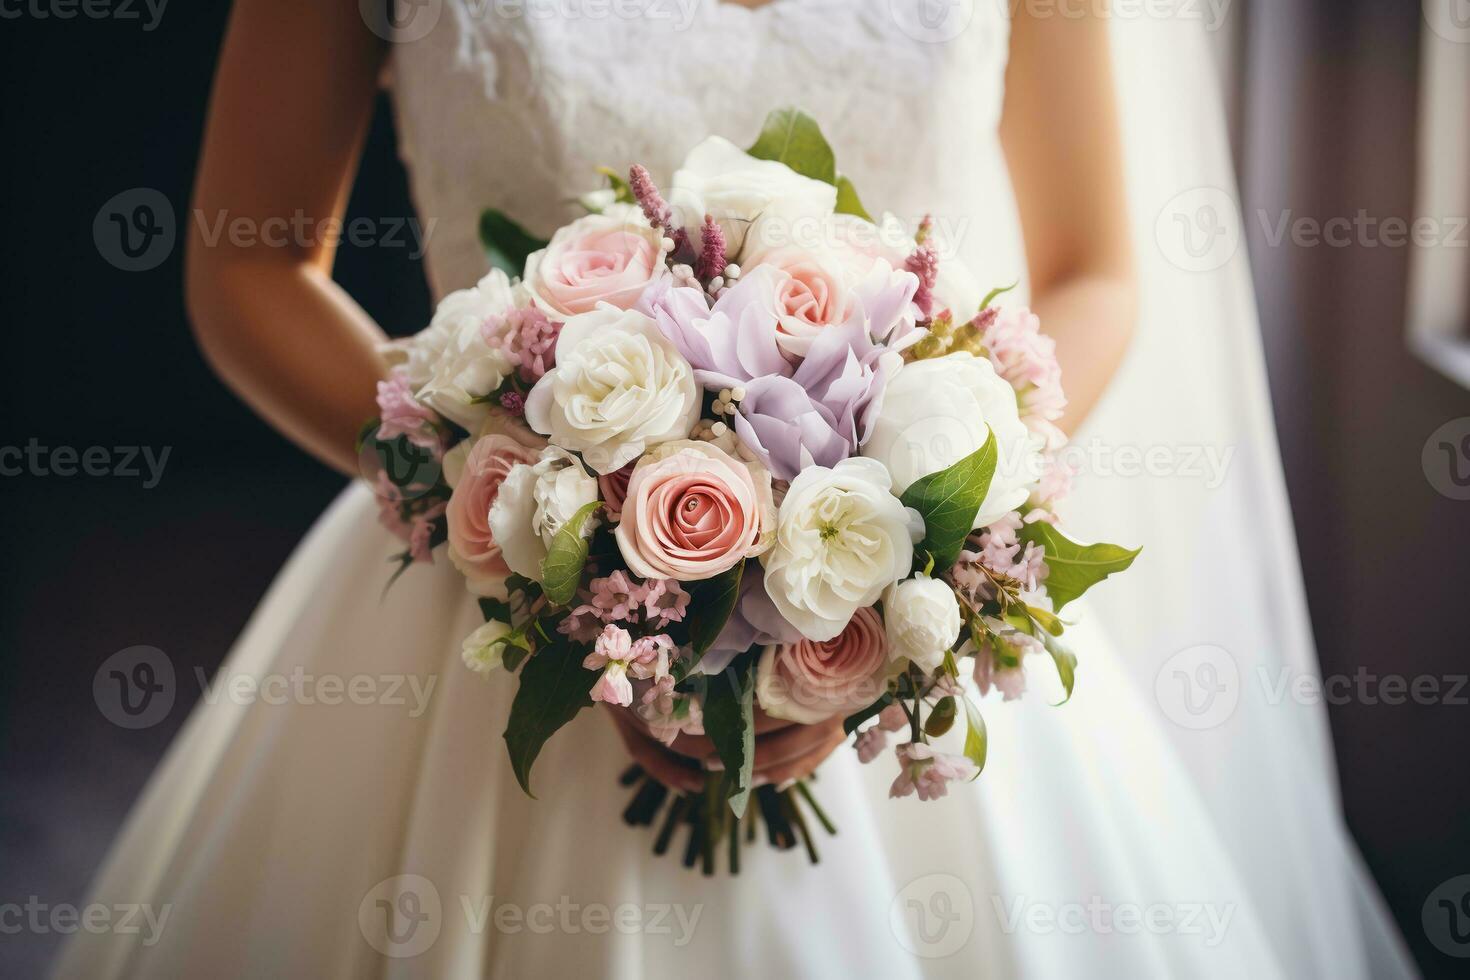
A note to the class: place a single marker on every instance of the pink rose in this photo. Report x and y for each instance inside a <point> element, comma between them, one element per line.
<point>809,681</point>
<point>693,511</point>
<point>614,487</point>
<point>472,548</point>
<point>812,293</point>
<point>601,258</point>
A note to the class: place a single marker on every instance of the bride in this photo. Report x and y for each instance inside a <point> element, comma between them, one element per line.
<point>1129,833</point>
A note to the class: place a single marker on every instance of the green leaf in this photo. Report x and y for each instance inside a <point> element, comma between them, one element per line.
<point>792,137</point>
<point>848,201</point>
<point>1074,568</point>
<point>710,604</point>
<point>941,719</point>
<point>855,721</point>
<point>729,721</point>
<point>495,610</point>
<point>976,740</point>
<point>561,571</point>
<point>997,291</point>
<point>1066,662</point>
<point>949,500</point>
<point>1047,621</point>
<point>506,243</point>
<point>623,194</point>
<point>554,687</point>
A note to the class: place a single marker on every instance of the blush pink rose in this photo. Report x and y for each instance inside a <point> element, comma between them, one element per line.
<point>601,258</point>
<point>812,293</point>
<point>472,547</point>
<point>809,681</point>
<point>693,511</point>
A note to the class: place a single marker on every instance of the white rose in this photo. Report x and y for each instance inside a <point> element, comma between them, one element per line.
<point>922,619</point>
<point>533,503</point>
<point>935,413</point>
<point>484,649</point>
<point>448,363</point>
<point>618,388</point>
<point>842,537</point>
<point>722,180</point>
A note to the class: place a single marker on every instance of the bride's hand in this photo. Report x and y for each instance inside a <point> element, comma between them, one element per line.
<point>783,750</point>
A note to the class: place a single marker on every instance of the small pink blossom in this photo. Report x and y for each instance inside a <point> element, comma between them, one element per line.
<point>613,644</point>
<point>650,655</point>
<point>669,714</point>
<point>613,686</point>
<point>403,415</point>
<point>1027,358</point>
<point>1009,681</point>
<point>928,772</point>
<point>893,718</point>
<point>870,743</point>
<point>614,598</point>
<point>664,601</point>
<point>528,338</point>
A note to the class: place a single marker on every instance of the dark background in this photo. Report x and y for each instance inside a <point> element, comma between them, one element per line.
<point>98,356</point>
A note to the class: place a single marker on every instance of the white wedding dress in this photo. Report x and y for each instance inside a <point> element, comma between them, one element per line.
<point>1103,840</point>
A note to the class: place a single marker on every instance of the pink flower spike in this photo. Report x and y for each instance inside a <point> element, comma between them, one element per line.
<point>712,252</point>
<point>655,208</point>
<point>924,263</point>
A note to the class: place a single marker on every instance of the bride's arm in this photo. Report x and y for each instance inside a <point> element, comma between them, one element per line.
<point>291,103</point>
<point>1061,136</point>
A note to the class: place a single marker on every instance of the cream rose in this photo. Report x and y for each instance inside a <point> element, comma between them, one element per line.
<point>810,681</point>
<point>692,511</point>
<point>618,388</point>
<point>601,258</point>
<point>532,505</point>
<point>921,617</point>
<point>842,537</point>
<point>935,413</point>
<point>722,180</point>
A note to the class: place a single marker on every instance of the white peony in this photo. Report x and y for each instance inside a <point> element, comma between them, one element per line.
<point>619,387</point>
<point>842,537</point>
<point>935,413</point>
<point>722,180</point>
<point>484,649</point>
<point>448,363</point>
<point>533,503</point>
<point>922,619</point>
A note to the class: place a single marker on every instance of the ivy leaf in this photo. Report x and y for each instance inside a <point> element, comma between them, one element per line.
<point>854,721</point>
<point>1066,662</point>
<point>729,721</point>
<point>792,137</point>
<point>1074,568</point>
<point>949,500</point>
<point>941,719</point>
<point>561,570</point>
<point>554,687</point>
<point>976,740</point>
<point>506,243</point>
<point>848,201</point>
<point>710,604</point>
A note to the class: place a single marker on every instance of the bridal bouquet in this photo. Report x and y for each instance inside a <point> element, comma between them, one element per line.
<point>740,446</point>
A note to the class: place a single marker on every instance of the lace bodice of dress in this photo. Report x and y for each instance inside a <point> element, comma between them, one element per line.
<point>514,105</point>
